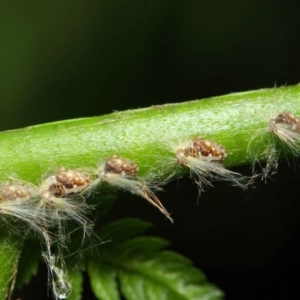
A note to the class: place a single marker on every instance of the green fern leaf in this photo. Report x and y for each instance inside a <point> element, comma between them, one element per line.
<point>140,268</point>
<point>103,279</point>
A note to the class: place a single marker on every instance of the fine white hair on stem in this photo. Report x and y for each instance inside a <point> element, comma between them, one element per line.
<point>57,271</point>
<point>282,138</point>
<point>204,159</point>
<point>286,127</point>
<point>17,200</point>
<point>46,209</point>
<point>62,197</point>
<point>120,174</point>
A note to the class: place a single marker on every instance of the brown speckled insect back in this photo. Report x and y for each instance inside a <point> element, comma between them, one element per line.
<point>291,121</point>
<point>206,150</point>
<point>121,166</point>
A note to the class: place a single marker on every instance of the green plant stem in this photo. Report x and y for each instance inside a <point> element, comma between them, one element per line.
<point>230,120</point>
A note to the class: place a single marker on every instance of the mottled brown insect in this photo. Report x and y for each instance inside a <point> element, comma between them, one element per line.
<point>12,192</point>
<point>121,166</point>
<point>120,172</point>
<point>283,137</point>
<point>201,149</point>
<point>204,159</point>
<point>74,181</point>
<point>206,150</point>
<point>65,183</point>
<point>286,127</point>
<point>291,121</point>
<point>17,199</point>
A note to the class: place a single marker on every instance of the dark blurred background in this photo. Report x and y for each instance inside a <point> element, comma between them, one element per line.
<point>69,59</point>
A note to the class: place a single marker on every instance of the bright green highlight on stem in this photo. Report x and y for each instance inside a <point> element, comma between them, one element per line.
<point>230,120</point>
